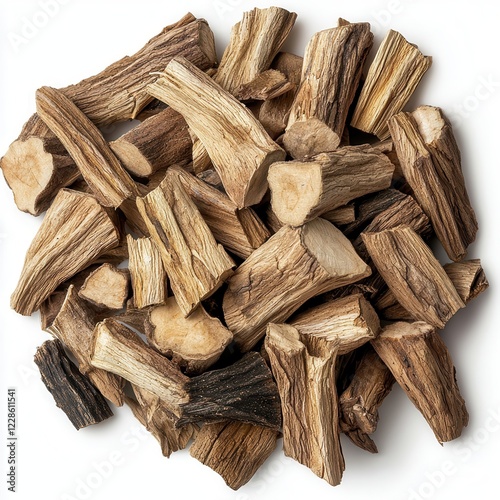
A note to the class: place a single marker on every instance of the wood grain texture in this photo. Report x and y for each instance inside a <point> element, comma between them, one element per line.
<point>468,277</point>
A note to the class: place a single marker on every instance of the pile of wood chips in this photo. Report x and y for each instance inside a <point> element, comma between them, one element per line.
<point>243,314</point>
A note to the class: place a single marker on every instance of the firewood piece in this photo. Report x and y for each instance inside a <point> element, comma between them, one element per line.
<point>74,232</point>
<point>389,308</point>
<point>147,274</point>
<point>268,85</point>
<point>392,78</point>
<point>74,326</point>
<point>414,275</point>
<point>359,403</point>
<point>107,287</point>
<point>468,277</point>
<point>306,382</point>
<point>341,215</point>
<point>301,191</point>
<point>224,126</point>
<point>151,109</point>
<point>422,366</point>
<point>333,65</point>
<point>211,177</point>
<point>239,230</point>
<point>50,308</point>
<point>291,267</point>
<point>100,168</point>
<point>234,450</point>
<point>72,392</point>
<point>431,163</point>
<point>194,343</point>
<point>157,143</point>
<point>350,321</point>
<point>195,264</point>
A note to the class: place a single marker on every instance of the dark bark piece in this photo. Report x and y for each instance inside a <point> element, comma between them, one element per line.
<point>72,392</point>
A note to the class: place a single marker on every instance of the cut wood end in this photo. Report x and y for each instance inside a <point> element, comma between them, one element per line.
<point>131,158</point>
<point>430,121</point>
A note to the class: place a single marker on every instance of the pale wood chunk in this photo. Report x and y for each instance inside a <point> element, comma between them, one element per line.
<point>268,85</point>
<point>341,215</point>
<point>468,277</point>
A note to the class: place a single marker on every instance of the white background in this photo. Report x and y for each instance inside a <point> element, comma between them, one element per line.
<point>53,459</point>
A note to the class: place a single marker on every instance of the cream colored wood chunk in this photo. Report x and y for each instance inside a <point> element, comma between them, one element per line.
<point>268,85</point>
<point>201,159</point>
<point>195,342</point>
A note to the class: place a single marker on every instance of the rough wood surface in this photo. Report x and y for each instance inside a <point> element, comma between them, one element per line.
<point>341,215</point>
<point>392,78</point>
<point>422,366</point>
<point>234,450</point>
<point>468,278</point>
<point>430,160</point>
<point>286,271</point>
<point>72,392</point>
<point>74,232</point>
<point>268,85</point>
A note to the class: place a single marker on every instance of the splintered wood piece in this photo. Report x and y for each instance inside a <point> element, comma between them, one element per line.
<point>72,392</point>
<point>291,267</point>
<point>74,232</point>
<point>195,264</point>
<point>201,159</point>
<point>100,168</point>
<point>422,366</point>
<point>341,215</point>
<point>306,383</point>
<point>136,318</point>
<point>414,275</point>
<point>430,160</point>
<point>36,166</point>
<point>333,65</point>
<point>392,78</point>
<point>194,343</point>
<point>301,191</point>
<point>268,85</point>
<point>234,450</point>
<point>147,274</point>
<point>240,231</point>
<point>350,322</point>
<point>359,403</point>
<point>50,308</point>
<point>74,326</point>
<point>239,147</point>
<point>468,277</point>
<point>389,308</point>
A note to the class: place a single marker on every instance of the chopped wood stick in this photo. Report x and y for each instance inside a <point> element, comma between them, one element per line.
<point>74,326</point>
<point>350,321</point>
<point>195,264</point>
<point>333,65</point>
<point>306,382</point>
<point>211,177</point>
<point>201,158</point>
<point>431,163</point>
<point>301,191</point>
<point>234,450</point>
<point>392,78</point>
<point>414,275</point>
<point>389,308</point>
<point>72,392</point>
<point>107,287</point>
<point>359,403</point>
<point>468,278</point>
<point>240,231</point>
<point>224,126</point>
<point>422,366</point>
<point>100,168</point>
<point>147,274</point>
<point>74,232</point>
<point>194,343</point>
<point>268,85</point>
<point>133,218</point>
<point>341,215</point>
<point>291,267</point>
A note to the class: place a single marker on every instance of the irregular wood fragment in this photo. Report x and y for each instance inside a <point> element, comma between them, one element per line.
<point>430,160</point>
<point>201,158</point>
<point>72,392</point>
<point>151,109</point>
<point>291,267</point>
<point>234,450</point>
<point>468,277</point>
<point>341,215</point>
<point>392,78</point>
<point>422,366</point>
<point>389,308</point>
<point>74,232</point>
<point>268,85</point>
<point>50,308</point>
<point>135,318</point>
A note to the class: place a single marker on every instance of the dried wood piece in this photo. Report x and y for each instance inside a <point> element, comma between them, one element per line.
<point>72,392</point>
<point>268,85</point>
<point>224,126</point>
<point>240,231</point>
<point>422,366</point>
<point>147,274</point>
<point>350,322</point>
<point>468,278</point>
<point>50,308</point>
<point>194,343</point>
<point>234,450</point>
<point>301,191</point>
<point>359,403</point>
<point>306,382</point>
<point>333,65</point>
<point>291,267</point>
<point>195,264</point>
<point>100,168</point>
<point>74,232</point>
<point>392,78</point>
<point>389,308</point>
<point>151,109</point>
<point>430,160</point>
<point>341,215</point>
<point>136,318</point>
<point>201,158</point>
